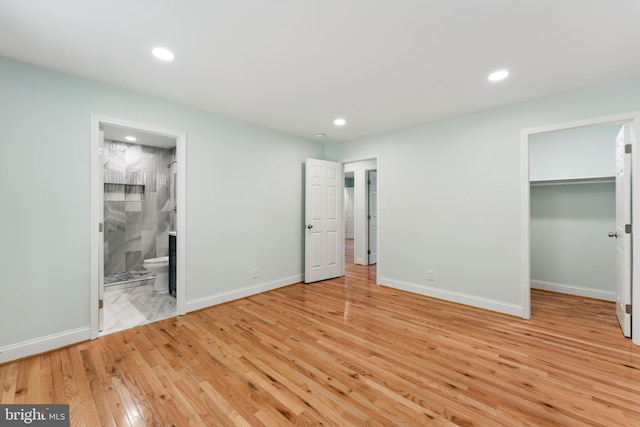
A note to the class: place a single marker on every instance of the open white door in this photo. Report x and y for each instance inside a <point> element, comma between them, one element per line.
<point>373,216</point>
<point>324,229</point>
<point>623,217</point>
<point>101,240</point>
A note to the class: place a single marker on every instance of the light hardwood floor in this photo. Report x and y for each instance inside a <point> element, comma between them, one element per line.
<point>347,352</point>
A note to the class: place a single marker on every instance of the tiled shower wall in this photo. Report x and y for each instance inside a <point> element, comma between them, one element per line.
<point>139,195</point>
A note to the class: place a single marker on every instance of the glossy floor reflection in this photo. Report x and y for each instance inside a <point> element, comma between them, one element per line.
<point>356,271</point>
<point>346,352</point>
<point>126,308</point>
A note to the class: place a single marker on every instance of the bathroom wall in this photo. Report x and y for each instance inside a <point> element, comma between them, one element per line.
<point>139,194</point>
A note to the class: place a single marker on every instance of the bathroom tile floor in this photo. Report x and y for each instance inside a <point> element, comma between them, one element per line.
<point>126,308</point>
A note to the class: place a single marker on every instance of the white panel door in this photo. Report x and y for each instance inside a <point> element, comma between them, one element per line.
<point>623,217</point>
<point>348,208</point>
<point>373,216</point>
<point>101,239</point>
<point>324,229</point>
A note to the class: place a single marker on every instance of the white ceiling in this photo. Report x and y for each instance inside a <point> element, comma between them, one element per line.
<point>295,65</point>
<point>117,133</point>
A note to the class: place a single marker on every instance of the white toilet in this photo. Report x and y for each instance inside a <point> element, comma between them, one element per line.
<point>160,267</point>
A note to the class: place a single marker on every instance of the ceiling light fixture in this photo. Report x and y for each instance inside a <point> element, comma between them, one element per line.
<point>339,122</point>
<point>496,76</point>
<point>319,135</point>
<point>164,54</point>
<point>130,138</point>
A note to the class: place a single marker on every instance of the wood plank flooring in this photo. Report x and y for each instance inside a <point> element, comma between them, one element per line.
<point>347,352</point>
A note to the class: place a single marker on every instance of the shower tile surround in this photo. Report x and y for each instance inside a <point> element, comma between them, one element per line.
<point>139,196</point>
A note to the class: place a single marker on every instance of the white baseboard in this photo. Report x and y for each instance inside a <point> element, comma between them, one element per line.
<point>220,298</point>
<point>466,299</point>
<point>43,344</point>
<point>574,290</point>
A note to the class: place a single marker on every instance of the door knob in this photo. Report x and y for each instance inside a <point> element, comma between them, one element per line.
<point>611,234</point>
<point>310,226</point>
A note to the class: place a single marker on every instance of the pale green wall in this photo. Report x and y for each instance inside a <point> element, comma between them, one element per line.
<point>453,194</point>
<point>573,153</point>
<point>569,242</point>
<point>244,197</point>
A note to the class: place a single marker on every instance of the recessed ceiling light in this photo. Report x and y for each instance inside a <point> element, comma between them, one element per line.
<point>496,76</point>
<point>130,138</point>
<point>339,122</point>
<point>164,54</point>
<point>319,135</point>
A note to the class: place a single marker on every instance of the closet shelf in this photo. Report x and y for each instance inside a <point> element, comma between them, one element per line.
<point>123,192</point>
<point>122,183</point>
<point>565,181</point>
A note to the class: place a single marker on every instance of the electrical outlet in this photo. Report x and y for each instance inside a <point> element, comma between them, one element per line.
<point>430,275</point>
<point>255,273</point>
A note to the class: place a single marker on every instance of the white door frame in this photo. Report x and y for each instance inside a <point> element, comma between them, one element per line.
<point>623,217</point>
<point>97,208</point>
<point>351,200</point>
<point>368,227</point>
<point>357,214</point>
<point>632,118</point>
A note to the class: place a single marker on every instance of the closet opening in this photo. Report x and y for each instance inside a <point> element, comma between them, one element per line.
<point>577,204</point>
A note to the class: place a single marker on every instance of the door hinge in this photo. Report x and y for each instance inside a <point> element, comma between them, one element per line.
<point>100,304</point>
<point>627,228</point>
<point>100,227</point>
<point>627,308</point>
<point>369,252</point>
<point>627,148</point>
<point>368,216</point>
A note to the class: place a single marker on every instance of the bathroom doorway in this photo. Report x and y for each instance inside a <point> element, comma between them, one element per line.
<point>139,203</point>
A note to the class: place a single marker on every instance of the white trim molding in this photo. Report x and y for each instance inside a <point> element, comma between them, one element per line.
<point>574,290</point>
<point>452,296</point>
<point>43,344</point>
<point>200,303</point>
